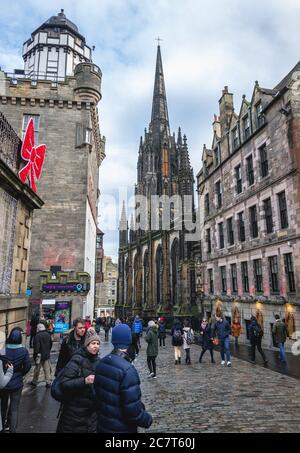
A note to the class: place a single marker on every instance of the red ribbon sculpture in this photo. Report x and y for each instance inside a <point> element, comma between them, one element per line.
<point>34,155</point>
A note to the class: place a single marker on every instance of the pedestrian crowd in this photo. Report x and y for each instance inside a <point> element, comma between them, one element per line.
<point>103,394</point>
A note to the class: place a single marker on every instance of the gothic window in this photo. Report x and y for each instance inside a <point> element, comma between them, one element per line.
<point>159,274</point>
<point>175,269</point>
<point>125,281</point>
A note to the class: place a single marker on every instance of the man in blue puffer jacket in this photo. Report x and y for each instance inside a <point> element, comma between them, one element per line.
<point>137,328</point>
<point>11,394</point>
<point>117,387</point>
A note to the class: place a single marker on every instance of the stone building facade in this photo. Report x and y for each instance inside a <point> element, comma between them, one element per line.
<point>249,202</point>
<point>17,203</point>
<point>156,272</point>
<point>99,269</point>
<point>63,105</point>
<point>108,288</point>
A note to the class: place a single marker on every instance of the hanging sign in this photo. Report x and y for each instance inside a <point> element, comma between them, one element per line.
<point>33,155</point>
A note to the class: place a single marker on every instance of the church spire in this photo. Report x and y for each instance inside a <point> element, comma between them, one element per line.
<point>159,118</point>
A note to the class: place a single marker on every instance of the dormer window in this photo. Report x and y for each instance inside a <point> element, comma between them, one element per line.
<point>246,127</point>
<point>260,118</point>
<point>235,138</point>
<point>217,155</point>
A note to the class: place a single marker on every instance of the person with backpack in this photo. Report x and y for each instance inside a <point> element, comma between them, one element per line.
<point>152,348</point>
<point>255,334</point>
<point>162,331</point>
<point>78,413</point>
<point>137,328</point>
<point>11,394</point>
<point>117,386</point>
<point>73,341</point>
<point>6,373</point>
<point>221,331</point>
<point>280,333</point>
<point>41,355</point>
<point>188,338</point>
<point>177,340</point>
<point>206,340</point>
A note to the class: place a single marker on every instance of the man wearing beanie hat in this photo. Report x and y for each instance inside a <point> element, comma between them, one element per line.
<point>42,345</point>
<point>117,387</point>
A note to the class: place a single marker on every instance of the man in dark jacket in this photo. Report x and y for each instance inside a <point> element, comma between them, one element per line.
<point>41,355</point>
<point>221,330</point>
<point>117,387</point>
<point>280,333</point>
<point>71,344</point>
<point>255,335</point>
<point>33,327</point>
<point>11,394</point>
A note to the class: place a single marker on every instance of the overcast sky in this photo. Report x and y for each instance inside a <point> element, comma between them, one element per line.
<point>206,45</point>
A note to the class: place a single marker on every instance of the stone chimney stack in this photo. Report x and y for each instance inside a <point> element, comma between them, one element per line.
<point>226,110</point>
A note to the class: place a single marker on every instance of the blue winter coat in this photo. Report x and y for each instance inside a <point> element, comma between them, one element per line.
<point>19,357</point>
<point>137,326</point>
<point>221,329</point>
<point>119,405</point>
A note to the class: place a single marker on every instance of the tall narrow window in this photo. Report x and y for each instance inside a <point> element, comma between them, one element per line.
<point>264,166</point>
<point>208,240</point>
<point>211,281</point>
<point>250,171</point>
<point>258,275</point>
<point>273,269</point>
<point>206,204</point>
<point>260,119</point>
<point>234,278</point>
<point>36,123</point>
<point>223,279</point>
<point>221,235</point>
<point>217,155</point>
<point>246,127</point>
<point>268,215</point>
<point>241,226</point>
<point>253,221</point>
<point>245,278</point>
<point>230,233</point>
<point>289,270</point>
<point>218,194</point>
<point>283,210</point>
<point>235,138</point>
<point>238,179</point>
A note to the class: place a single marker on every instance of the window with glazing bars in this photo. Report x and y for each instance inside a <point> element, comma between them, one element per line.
<point>211,281</point>
<point>264,166</point>
<point>223,279</point>
<point>234,278</point>
<point>250,171</point>
<point>283,210</point>
<point>238,179</point>
<point>245,278</point>
<point>241,226</point>
<point>289,270</point>
<point>218,194</point>
<point>246,127</point>
<point>273,269</point>
<point>208,240</point>
<point>268,215</point>
<point>235,138</point>
<point>257,267</point>
<point>253,221</point>
<point>206,204</point>
<point>260,119</point>
<point>36,124</point>
<point>230,233</point>
<point>221,235</point>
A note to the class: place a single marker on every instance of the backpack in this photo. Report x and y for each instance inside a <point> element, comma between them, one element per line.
<point>177,336</point>
<point>257,331</point>
<point>189,337</point>
<point>56,390</point>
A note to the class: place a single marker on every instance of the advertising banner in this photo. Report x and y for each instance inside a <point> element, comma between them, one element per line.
<point>62,319</point>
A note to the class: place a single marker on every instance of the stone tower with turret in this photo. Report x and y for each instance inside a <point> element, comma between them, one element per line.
<point>60,88</point>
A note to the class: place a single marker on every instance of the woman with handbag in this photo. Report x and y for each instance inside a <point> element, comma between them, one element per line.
<point>206,340</point>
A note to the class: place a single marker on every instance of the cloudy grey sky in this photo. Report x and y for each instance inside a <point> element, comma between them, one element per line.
<point>206,44</point>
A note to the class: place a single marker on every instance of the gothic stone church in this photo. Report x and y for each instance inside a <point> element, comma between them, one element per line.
<point>156,272</point>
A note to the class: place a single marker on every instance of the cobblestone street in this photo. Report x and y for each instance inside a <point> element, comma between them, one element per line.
<point>191,399</point>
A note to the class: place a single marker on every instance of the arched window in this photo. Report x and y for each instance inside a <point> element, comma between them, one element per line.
<point>159,274</point>
<point>146,276</point>
<point>175,270</point>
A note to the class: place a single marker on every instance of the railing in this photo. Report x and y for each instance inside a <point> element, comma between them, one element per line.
<point>10,144</point>
<point>18,76</point>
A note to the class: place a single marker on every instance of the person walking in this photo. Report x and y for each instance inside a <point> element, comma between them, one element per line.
<point>133,349</point>
<point>236,330</point>
<point>11,394</point>
<point>106,327</point>
<point>206,340</point>
<point>177,340</point>
<point>6,373</point>
<point>73,341</point>
<point>280,333</point>
<point>137,328</point>
<point>152,348</point>
<point>255,334</point>
<point>221,331</point>
<point>41,355</point>
<point>188,337</point>
<point>35,319</point>
<point>79,407</point>
<point>162,331</point>
<point>117,388</point>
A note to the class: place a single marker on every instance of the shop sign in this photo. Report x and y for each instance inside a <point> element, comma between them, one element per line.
<point>73,287</point>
